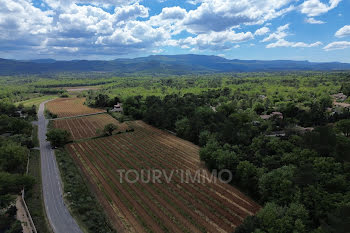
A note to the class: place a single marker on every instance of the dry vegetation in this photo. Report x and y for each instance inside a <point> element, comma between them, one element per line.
<point>68,107</point>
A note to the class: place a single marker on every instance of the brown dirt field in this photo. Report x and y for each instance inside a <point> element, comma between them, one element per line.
<point>158,207</point>
<point>79,89</point>
<point>87,127</point>
<point>69,107</point>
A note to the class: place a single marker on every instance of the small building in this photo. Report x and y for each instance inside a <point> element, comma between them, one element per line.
<point>20,114</point>
<point>278,115</point>
<point>262,97</point>
<point>117,108</point>
<point>342,105</point>
<point>340,97</point>
<point>304,130</point>
<point>276,134</point>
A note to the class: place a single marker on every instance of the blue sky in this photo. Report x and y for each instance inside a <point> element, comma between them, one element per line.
<point>315,30</point>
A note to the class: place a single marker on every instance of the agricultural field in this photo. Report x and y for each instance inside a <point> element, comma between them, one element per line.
<point>77,90</point>
<point>36,101</point>
<point>69,107</point>
<point>89,126</point>
<point>173,206</point>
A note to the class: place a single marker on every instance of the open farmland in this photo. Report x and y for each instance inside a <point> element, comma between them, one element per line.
<point>77,90</point>
<point>158,207</point>
<point>89,126</point>
<point>68,107</point>
<point>36,101</point>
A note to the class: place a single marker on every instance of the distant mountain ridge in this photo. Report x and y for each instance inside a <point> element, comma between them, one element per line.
<point>164,64</point>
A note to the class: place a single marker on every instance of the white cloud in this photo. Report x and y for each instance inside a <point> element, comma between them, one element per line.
<point>171,13</point>
<point>284,43</point>
<point>21,23</point>
<point>156,51</point>
<point>215,40</point>
<point>280,41</point>
<point>262,31</point>
<point>84,22</point>
<point>344,31</point>
<point>101,27</point>
<point>68,49</point>
<point>220,15</point>
<point>337,45</point>
<point>236,46</point>
<point>314,7</point>
<point>66,4</point>
<point>314,21</point>
<point>136,34</point>
<point>130,12</point>
<point>170,19</point>
<point>278,35</point>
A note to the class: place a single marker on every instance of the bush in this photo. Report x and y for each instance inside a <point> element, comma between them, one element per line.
<point>58,137</point>
<point>109,128</point>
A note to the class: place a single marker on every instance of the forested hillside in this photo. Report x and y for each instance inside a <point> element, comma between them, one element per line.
<point>163,65</point>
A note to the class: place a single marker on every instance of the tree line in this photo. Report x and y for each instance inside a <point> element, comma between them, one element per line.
<point>15,142</point>
<point>302,179</point>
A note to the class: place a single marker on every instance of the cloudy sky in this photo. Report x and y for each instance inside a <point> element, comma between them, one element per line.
<point>315,30</point>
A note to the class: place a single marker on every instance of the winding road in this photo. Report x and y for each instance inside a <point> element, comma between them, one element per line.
<point>59,217</point>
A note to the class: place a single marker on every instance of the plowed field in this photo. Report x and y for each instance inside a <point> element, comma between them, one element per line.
<point>68,107</point>
<point>142,206</point>
<point>89,126</point>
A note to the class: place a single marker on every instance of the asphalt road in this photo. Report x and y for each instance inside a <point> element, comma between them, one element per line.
<point>59,217</point>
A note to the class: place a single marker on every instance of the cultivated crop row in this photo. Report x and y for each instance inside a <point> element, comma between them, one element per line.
<point>89,126</point>
<point>158,207</point>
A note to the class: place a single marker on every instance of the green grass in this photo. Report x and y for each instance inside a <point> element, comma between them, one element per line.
<point>82,203</point>
<point>35,138</point>
<point>34,198</point>
<point>36,101</point>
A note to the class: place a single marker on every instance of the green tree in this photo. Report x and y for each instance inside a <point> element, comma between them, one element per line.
<point>338,221</point>
<point>226,159</point>
<point>276,219</point>
<point>16,227</point>
<point>14,183</point>
<point>248,175</point>
<point>183,128</point>
<point>345,88</point>
<point>204,137</point>
<point>258,108</point>
<point>109,128</point>
<point>278,185</point>
<point>344,127</point>
<point>58,137</point>
<point>322,139</point>
<point>19,126</point>
<point>343,148</point>
<point>13,157</point>
<point>102,100</point>
<point>209,152</point>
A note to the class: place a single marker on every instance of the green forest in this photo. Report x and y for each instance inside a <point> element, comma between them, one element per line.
<point>15,145</point>
<point>284,135</point>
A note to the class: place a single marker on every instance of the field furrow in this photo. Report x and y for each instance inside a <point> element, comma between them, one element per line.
<point>174,205</point>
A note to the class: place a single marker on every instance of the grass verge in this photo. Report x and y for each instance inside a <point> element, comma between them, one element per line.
<point>35,138</point>
<point>82,203</point>
<point>34,198</point>
<point>36,101</point>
